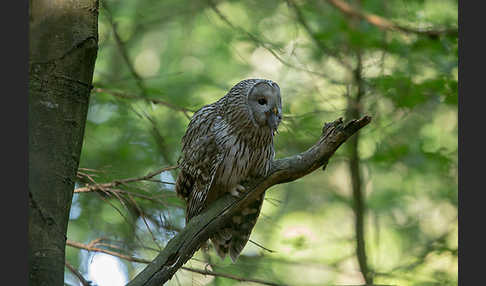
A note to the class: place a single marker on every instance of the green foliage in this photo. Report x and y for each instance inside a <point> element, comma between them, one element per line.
<point>186,54</point>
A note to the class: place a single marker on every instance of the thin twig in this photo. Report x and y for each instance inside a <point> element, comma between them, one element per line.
<point>121,48</point>
<point>268,46</point>
<point>108,189</point>
<point>386,24</point>
<point>106,251</point>
<point>159,139</point>
<point>90,247</point>
<point>121,213</point>
<point>97,187</point>
<point>77,274</point>
<point>144,221</point>
<point>301,19</point>
<point>261,246</point>
<point>420,257</point>
<point>237,278</point>
<point>136,76</point>
<point>90,170</point>
<point>184,110</point>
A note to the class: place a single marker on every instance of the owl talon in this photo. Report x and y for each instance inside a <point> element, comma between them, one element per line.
<point>237,190</point>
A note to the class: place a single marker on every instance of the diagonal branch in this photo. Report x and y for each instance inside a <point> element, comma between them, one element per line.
<point>182,247</point>
<point>78,275</point>
<point>386,24</point>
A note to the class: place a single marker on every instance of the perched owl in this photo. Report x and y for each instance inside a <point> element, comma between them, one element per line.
<point>226,143</point>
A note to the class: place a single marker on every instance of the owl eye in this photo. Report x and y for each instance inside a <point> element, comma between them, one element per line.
<point>262,101</point>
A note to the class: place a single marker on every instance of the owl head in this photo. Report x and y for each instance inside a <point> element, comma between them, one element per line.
<point>265,104</point>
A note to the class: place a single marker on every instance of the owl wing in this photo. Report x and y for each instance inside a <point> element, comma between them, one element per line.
<point>200,160</point>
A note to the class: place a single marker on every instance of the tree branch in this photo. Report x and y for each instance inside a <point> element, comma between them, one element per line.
<point>77,274</point>
<point>237,278</point>
<point>269,47</point>
<point>91,247</point>
<point>184,110</point>
<point>139,80</point>
<point>331,52</point>
<point>181,248</point>
<point>99,187</point>
<point>386,24</point>
<point>123,51</point>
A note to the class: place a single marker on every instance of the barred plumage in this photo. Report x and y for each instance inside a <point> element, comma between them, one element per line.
<point>226,143</point>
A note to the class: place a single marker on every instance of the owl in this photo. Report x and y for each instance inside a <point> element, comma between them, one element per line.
<point>226,143</point>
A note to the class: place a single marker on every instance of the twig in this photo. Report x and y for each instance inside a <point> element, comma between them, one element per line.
<point>267,46</point>
<point>144,221</point>
<point>136,76</point>
<point>420,257</point>
<point>78,275</point>
<point>116,183</point>
<point>252,37</point>
<point>237,278</point>
<point>109,189</point>
<point>90,247</point>
<point>184,110</point>
<point>261,246</point>
<point>159,139</point>
<point>90,170</point>
<point>199,229</point>
<point>115,192</point>
<point>301,19</point>
<point>122,49</point>
<point>386,24</point>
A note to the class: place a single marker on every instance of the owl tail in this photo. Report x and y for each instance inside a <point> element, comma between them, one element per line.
<point>234,236</point>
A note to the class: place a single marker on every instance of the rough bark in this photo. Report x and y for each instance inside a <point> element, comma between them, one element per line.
<point>181,248</point>
<point>63,44</point>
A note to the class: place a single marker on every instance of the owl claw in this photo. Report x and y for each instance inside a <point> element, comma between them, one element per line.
<point>237,190</point>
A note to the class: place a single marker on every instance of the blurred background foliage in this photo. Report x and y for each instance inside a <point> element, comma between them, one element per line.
<point>159,61</point>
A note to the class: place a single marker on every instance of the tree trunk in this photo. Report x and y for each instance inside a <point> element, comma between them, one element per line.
<point>63,44</point>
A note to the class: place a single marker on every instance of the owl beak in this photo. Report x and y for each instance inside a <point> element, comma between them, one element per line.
<point>275,110</point>
<point>274,119</point>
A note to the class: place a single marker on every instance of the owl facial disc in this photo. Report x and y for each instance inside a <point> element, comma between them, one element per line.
<point>266,104</point>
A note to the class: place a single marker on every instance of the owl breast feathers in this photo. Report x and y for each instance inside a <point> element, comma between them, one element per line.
<point>226,143</point>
